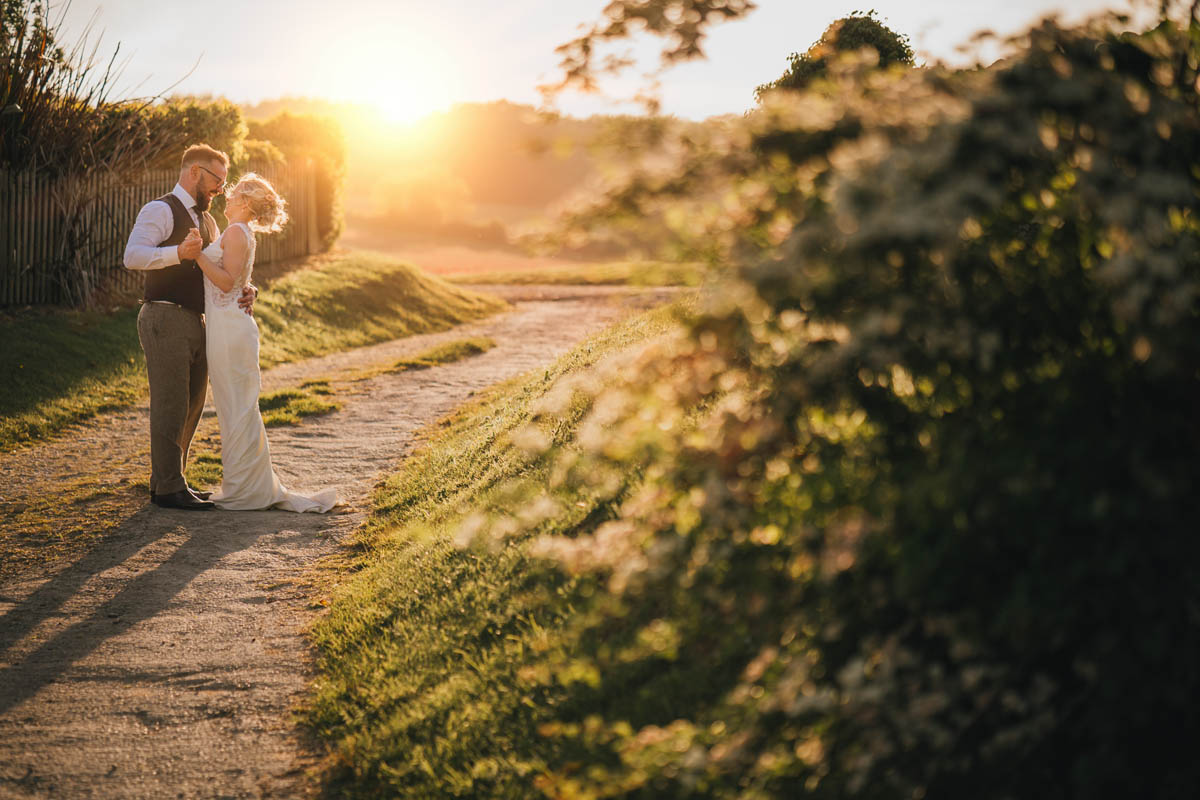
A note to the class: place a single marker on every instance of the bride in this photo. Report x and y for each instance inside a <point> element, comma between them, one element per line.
<point>231,339</point>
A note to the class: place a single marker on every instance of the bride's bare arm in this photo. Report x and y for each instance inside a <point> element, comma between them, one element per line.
<point>234,249</point>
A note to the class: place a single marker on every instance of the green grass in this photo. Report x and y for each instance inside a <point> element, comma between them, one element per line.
<point>204,469</point>
<point>446,353</point>
<point>427,650</point>
<point>633,273</point>
<point>61,367</point>
<point>289,406</point>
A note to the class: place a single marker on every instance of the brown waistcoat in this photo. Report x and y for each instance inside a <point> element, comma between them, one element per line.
<point>184,282</point>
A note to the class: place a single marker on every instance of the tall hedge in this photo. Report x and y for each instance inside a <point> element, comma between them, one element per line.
<point>194,120</point>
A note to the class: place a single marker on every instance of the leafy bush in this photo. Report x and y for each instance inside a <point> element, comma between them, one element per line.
<point>202,120</point>
<point>846,35</point>
<point>305,136</point>
<point>263,153</point>
<point>932,532</point>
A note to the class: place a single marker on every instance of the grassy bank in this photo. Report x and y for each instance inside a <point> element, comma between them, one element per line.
<point>631,273</point>
<point>446,353</point>
<point>289,406</point>
<point>427,649</point>
<point>61,367</point>
<point>356,300</point>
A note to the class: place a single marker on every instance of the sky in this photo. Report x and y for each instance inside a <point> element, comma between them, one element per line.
<point>411,58</point>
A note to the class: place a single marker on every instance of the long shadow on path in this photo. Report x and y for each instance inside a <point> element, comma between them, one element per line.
<point>133,575</point>
<point>49,597</point>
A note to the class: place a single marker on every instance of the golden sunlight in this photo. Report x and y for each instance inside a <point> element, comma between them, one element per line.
<point>405,105</point>
<point>404,80</point>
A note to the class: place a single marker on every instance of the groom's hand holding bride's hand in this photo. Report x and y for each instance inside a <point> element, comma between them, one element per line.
<point>191,246</point>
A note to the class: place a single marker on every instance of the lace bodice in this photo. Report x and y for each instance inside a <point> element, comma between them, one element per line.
<point>214,297</point>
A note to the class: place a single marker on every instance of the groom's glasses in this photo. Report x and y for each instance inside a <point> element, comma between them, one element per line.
<point>220,180</point>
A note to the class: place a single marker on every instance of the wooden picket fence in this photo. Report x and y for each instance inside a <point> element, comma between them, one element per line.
<point>38,215</point>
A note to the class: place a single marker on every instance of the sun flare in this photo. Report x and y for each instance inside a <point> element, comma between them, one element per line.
<point>403,80</point>
<point>404,108</point>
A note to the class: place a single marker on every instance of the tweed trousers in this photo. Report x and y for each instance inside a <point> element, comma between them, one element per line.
<point>173,340</point>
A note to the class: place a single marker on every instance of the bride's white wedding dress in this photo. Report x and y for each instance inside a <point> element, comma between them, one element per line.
<point>249,481</point>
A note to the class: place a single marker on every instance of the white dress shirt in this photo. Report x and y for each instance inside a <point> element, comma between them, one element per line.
<point>154,224</point>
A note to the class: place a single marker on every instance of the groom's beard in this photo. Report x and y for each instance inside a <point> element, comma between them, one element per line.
<point>203,201</point>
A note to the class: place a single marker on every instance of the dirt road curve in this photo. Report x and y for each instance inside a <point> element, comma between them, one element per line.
<point>164,662</point>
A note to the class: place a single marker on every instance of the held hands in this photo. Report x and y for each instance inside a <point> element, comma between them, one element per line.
<point>191,246</point>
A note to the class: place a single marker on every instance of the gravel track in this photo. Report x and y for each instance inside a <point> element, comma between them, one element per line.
<point>165,661</point>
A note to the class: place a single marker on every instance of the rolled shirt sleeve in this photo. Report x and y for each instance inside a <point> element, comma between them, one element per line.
<point>154,224</point>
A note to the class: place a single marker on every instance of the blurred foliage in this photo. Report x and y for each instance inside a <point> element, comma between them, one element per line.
<point>319,139</point>
<point>846,35</point>
<point>681,23</point>
<point>914,493</point>
<point>264,153</point>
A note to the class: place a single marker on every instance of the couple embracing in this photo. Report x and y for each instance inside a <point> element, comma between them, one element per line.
<point>196,326</point>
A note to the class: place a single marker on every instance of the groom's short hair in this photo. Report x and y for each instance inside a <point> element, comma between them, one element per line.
<point>203,154</point>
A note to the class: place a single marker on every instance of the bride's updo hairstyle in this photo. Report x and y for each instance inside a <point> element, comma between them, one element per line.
<point>268,208</point>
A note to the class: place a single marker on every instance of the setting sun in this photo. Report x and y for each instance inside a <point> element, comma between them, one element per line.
<point>402,78</point>
<point>404,107</point>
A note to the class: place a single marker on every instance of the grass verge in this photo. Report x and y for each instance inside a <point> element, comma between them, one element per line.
<point>289,406</point>
<point>428,650</point>
<point>61,367</point>
<point>447,353</point>
<point>204,467</point>
<point>632,273</point>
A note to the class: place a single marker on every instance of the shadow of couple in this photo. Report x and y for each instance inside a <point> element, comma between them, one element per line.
<point>134,574</point>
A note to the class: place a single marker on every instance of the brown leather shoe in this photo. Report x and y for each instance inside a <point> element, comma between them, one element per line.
<point>183,500</point>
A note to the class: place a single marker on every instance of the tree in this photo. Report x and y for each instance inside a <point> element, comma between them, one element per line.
<point>846,35</point>
<point>682,24</point>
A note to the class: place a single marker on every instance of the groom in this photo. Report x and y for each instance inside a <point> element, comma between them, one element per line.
<point>167,237</point>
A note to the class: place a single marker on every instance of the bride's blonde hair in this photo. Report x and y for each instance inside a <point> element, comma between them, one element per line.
<point>267,206</point>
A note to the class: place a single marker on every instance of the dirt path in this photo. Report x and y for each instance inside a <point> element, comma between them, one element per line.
<point>163,662</point>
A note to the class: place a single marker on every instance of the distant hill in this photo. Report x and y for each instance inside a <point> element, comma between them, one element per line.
<point>476,163</point>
